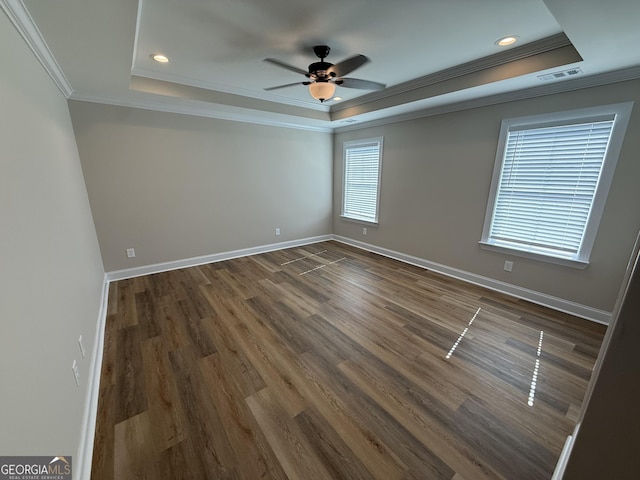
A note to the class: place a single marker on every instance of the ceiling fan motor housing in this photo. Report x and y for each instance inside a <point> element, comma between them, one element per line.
<point>318,70</point>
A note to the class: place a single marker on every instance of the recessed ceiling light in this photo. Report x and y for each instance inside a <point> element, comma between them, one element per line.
<point>337,99</point>
<point>158,57</point>
<point>506,41</point>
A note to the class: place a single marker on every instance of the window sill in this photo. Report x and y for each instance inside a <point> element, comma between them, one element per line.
<point>578,264</point>
<point>359,220</point>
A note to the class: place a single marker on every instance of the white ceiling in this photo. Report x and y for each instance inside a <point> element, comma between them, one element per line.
<point>428,53</point>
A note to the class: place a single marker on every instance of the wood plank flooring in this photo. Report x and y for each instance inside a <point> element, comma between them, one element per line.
<point>330,362</point>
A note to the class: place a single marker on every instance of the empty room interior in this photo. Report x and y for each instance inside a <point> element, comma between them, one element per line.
<point>338,240</point>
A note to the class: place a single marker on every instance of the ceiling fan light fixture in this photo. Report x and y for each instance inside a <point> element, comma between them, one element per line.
<point>322,90</point>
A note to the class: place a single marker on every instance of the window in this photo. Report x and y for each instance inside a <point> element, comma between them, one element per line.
<point>550,183</point>
<point>361,189</point>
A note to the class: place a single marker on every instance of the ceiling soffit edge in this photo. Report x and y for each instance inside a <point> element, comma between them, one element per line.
<point>559,57</point>
<point>203,111</point>
<point>608,78</point>
<point>531,49</point>
<point>214,97</point>
<point>180,79</point>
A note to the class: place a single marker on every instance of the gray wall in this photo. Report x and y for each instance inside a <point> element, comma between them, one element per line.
<point>436,174</point>
<point>176,186</point>
<point>51,275</point>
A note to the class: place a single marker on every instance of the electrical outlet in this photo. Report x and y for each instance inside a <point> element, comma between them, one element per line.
<point>364,230</point>
<point>76,374</point>
<point>277,231</point>
<point>131,253</point>
<point>81,347</point>
<point>508,266</point>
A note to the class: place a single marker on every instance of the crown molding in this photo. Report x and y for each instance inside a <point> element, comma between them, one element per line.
<point>561,86</point>
<point>21,19</point>
<point>203,111</point>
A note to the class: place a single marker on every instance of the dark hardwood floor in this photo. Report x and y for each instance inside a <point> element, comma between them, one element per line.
<point>329,362</point>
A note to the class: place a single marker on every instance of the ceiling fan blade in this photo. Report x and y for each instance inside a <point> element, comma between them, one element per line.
<point>287,85</point>
<point>286,65</point>
<point>347,66</point>
<point>360,84</point>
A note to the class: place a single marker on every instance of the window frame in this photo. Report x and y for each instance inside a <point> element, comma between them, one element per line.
<point>355,144</point>
<point>621,113</point>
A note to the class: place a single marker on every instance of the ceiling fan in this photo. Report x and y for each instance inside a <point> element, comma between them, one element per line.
<point>324,76</point>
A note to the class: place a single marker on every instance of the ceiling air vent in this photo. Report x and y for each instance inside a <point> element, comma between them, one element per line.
<point>561,74</point>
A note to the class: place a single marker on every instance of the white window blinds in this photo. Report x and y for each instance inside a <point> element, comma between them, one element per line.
<point>362,179</point>
<point>547,186</point>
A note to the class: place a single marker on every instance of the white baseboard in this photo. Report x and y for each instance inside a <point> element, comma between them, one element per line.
<point>216,257</point>
<point>561,465</point>
<point>562,305</point>
<point>583,311</point>
<point>82,467</point>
